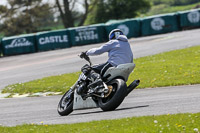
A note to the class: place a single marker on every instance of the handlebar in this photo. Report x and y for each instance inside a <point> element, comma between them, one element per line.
<point>87,58</point>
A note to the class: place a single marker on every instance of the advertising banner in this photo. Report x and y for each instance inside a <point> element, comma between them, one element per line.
<point>190,18</point>
<point>160,24</point>
<point>1,48</point>
<point>52,40</point>
<point>130,27</point>
<point>87,34</point>
<point>18,44</point>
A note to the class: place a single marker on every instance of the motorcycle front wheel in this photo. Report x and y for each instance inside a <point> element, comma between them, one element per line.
<point>116,97</point>
<point>65,106</point>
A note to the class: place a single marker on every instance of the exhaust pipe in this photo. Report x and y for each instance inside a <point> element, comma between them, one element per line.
<point>132,86</point>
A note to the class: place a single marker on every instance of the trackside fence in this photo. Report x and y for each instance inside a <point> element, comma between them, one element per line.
<point>52,40</point>
<point>189,19</point>
<point>159,24</point>
<point>130,27</point>
<point>0,48</point>
<point>87,34</point>
<point>18,44</point>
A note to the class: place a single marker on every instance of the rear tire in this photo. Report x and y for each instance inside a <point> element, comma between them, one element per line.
<point>65,106</point>
<point>116,97</point>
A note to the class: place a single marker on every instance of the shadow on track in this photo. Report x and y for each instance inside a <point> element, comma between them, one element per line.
<point>132,107</point>
<point>94,112</point>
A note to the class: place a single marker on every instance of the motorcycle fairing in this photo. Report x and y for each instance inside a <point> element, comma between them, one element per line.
<point>122,70</point>
<point>79,103</point>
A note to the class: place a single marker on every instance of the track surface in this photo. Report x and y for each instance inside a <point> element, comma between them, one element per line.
<point>140,102</point>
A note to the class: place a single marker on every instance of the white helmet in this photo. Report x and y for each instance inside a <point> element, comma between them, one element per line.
<point>115,33</point>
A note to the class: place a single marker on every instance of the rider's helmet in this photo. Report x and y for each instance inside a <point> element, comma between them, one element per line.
<point>115,33</point>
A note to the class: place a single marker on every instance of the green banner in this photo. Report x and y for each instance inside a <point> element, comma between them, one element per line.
<point>130,27</point>
<point>160,24</point>
<point>87,34</point>
<point>189,18</point>
<point>18,44</point>
<point>52,40</point>
<point>0,47</point>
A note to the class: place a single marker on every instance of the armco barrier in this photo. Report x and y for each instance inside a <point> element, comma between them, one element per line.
<point>87,34</point>
<point>52,40</point>
<point>160,24</point>
<point>18,44</point>
<point>190,18</point>
<point>130,27</point>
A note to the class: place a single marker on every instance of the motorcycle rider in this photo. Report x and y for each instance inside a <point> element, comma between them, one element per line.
<point>119,52</point>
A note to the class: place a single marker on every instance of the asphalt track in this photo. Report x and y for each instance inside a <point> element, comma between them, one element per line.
<point>155,101</point>
<point>152,101</point>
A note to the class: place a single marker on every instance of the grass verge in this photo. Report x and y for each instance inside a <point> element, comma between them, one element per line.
<point>165,8</point>
<point>178,123</point>
<point>179,67</point>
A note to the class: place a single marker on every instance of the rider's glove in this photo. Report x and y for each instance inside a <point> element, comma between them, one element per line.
<point>83,55</point>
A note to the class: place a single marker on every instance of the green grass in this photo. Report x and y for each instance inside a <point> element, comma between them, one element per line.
<point>165,8</point>
<point>58,83</point>
<point>179,67</point>
<point>179,123</point>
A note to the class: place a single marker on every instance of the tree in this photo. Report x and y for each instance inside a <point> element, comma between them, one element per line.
<point>105,10</point>
<point>24,16</point>
<point>69,15</point>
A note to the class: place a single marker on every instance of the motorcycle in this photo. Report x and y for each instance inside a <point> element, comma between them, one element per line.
<point>108,97</point>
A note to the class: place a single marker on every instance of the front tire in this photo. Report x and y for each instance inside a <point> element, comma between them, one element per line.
<point>65,106</point>
<point>116,97</point>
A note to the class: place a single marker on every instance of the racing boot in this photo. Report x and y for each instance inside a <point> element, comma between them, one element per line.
<point>97,83</point>
<point>86,71</point>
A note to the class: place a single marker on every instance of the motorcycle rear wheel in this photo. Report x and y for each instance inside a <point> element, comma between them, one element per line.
<point>65,106</point>
<point>116,97</point>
